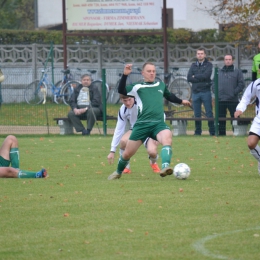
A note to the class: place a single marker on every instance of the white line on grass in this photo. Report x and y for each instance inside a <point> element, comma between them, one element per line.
<point>200,244</point>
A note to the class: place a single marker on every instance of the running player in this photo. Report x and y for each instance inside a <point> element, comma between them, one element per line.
<point>128,113</point>
<point>254,132</point>
<point>150,120</point>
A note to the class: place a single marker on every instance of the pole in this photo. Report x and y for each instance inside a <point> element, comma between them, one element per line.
<point>165,53</point>
<point>216,100</point>
<point>104,101</point>
<point>64,30</point>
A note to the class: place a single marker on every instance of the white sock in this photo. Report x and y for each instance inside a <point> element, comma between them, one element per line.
<point>153,160</point>
<point>121,152</point>
<point>256,153</point>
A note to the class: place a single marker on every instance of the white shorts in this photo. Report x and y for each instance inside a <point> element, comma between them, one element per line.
<point>255,127</point>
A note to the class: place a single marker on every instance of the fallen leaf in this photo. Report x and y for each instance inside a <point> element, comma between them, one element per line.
<point>130,230</point>
<point>66,214</point>
<point>180,189</point>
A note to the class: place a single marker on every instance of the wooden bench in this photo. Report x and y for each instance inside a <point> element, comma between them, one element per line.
<point>240,125</point>
<point>66,127</point>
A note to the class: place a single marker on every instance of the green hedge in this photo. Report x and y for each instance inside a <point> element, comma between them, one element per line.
<point>46,36</point>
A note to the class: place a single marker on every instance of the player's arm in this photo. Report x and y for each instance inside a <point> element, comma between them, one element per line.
<point>122,83</point>
<point>172,98</point>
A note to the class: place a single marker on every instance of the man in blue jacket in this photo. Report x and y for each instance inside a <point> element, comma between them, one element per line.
<point>200,77</point>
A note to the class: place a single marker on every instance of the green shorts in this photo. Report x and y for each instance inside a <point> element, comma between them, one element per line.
<point>4,162</point>
<point>143,130</point>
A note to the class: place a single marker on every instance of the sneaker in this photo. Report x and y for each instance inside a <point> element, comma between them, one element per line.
<point>86,132</point>
<point>126,171</point>
<point>259,168</point>
<point>166,171</point>
<point>155,167</point>
<point>114,176</point>
<point>41,174</point>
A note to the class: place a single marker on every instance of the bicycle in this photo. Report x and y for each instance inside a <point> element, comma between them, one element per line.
<point>247,82</point>
<point>178,85</point>
<point>132,78</point>
<point>37,91</point>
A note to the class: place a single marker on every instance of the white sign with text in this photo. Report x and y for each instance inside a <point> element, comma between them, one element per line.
<point>113,14</point>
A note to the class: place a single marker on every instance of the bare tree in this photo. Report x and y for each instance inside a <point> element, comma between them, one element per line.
<point>241,17</point>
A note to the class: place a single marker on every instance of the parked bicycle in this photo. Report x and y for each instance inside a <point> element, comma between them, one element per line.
<point>37,91</point>
<point>178,85</point>
<point>248,80</point>
<point>134,77</point>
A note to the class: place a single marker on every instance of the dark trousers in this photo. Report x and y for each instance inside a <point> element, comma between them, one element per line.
<point>88,115</point>
<point>222,112</point>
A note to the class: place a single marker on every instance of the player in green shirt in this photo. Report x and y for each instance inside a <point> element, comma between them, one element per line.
<point>150,120</point>
<point>255,66</point>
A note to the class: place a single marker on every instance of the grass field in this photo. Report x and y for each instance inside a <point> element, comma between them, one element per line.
<point>77,213</point>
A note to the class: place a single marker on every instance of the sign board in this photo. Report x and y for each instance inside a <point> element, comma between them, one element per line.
<point>113,14</point>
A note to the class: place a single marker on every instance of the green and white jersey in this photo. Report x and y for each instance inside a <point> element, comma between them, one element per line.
<point>149,99</point>
<point>255,66</point>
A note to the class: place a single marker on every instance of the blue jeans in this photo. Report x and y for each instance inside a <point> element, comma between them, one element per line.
<point>197,100</point>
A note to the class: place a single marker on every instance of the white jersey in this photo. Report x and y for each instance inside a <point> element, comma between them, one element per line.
<point>253,90</point>
<point>125,115</point>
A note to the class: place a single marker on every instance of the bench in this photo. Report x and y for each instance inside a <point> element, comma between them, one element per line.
<point>66,127</point>
<point>240,125</point>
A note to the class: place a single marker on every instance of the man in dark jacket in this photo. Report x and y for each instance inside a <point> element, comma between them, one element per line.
<point>200,77</point>
<point>85,104</point>
<point>230,84</point>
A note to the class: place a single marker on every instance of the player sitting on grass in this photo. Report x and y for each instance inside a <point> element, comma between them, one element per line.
<point>128,113</point>
<point>254,132</point>
<point>150,120</point>
<point>9,154</point>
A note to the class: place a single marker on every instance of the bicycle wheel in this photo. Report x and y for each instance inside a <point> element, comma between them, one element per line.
<point>114,99</point>
<point>34,92</point>
<point>67,91</point>
<point>98,83</point>
<point>181,88</point>
<point>240,95</point>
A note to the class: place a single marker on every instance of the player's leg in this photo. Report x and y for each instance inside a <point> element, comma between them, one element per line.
<point>10,172</point>
<point>252,141</point>
<point>165,138</point>
<point>151,147</point>
<point>123,143</point>
<point>10,151</point>
<point>130,150</point>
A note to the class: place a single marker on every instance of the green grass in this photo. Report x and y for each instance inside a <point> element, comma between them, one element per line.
<point>77,213</point>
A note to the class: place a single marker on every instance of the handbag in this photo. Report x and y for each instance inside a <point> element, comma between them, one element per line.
<point>2,76</point>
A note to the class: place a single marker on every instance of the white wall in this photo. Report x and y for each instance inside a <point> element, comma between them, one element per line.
<point>185,14</point>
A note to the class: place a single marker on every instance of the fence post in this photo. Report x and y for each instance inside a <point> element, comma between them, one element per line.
<point>104,101</point>
<point>34,61</point>
<point>99,50</point>
<point>216,99</point>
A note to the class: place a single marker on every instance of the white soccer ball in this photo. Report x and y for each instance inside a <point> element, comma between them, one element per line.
<point>181,171</point>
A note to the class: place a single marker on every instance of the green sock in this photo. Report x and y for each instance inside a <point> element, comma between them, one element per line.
<point>26,174</point>
<point>121,164</point>
<point>166,155</point>
<point>14,157</point>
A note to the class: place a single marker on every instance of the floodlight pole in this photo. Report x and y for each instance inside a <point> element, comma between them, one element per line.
<point>64,32</point>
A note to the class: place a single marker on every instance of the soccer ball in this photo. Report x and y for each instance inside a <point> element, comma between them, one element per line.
<point>181,171</point>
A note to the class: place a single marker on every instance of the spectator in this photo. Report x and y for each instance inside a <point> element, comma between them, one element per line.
<point>85,104</point>
<point>128,113</point>
<point>200,77</point>
<point>256,64</point>
<point>230,84</point>
<point>9,155</point>
<point>254,131</point>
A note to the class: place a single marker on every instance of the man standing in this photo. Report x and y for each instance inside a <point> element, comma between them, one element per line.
<point>200,77</point>
<point>150,119</point>
<point>85,104</point>
<point>255,66</point>
<point>230,84</point>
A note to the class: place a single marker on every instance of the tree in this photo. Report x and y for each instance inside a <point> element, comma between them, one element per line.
<point>17,14</point>
<point>241,18</point>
